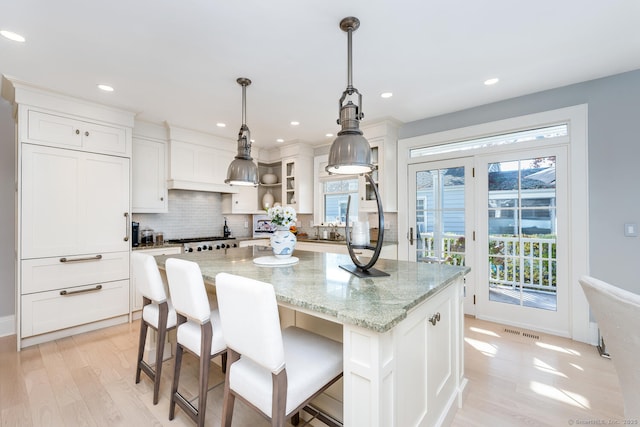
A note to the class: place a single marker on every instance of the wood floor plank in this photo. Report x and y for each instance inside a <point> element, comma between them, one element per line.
<point>88,380</point>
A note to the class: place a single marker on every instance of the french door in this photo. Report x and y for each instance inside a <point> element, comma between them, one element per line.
<point>522,239</point>
<point>504,216</point>
<point>441,216</point>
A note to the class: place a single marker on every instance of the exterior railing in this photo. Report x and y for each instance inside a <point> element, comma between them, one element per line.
<point>514,262</point>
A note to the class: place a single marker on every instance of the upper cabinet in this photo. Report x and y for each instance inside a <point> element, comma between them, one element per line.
<point>297,182</point>
<point>199,161</point>
<point>383,139</point>
<point>149,169</point>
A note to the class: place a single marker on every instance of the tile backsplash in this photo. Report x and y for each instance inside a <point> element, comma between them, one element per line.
<point>194,214</point>
<point>199,214</point>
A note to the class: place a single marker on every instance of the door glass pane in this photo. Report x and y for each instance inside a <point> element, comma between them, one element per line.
<point>440,216</point>
<point>522,232</point>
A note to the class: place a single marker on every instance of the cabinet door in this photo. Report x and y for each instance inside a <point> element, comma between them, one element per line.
<point>104,139</point>
<point>245,201</point>
<point>149,179</point>
<point>51,194</point>
<point>51,129</point>
<point>73,202</point>
<point>104,204</point>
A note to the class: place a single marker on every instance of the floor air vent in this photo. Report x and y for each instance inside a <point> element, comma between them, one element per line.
<point>524,334</point>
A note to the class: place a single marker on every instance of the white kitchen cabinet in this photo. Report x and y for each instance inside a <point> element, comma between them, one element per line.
<point>428,345</point>
<point>245,201</point>
<point>73,202</point>
<point>66,131</point>
<point>297,183</point>
<point>199,161</point>
<point>149,176</point>
<point>73,214</point>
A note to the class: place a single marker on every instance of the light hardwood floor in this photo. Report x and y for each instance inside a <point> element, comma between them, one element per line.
<point>88,380</point>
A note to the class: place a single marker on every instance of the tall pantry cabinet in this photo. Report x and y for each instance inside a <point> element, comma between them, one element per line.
<point>73,214</point>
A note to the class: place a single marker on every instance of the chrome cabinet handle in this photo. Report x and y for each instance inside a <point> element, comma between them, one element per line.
<point>410,236</point>
<point>435,318</point>
<point>82,291</point>
<point>126,226</point>
<point>89,258</point>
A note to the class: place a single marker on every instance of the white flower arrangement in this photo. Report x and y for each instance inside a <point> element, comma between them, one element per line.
<point>282,216</point>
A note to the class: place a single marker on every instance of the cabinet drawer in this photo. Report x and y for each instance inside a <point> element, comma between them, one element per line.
<point>46,274</point>
<point>50,311</point>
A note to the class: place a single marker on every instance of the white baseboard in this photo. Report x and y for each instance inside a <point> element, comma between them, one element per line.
<point>7,325</point>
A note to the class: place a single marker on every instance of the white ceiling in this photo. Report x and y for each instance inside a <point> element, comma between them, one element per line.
<point>178,60</point>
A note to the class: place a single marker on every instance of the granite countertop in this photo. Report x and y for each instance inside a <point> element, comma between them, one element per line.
<point>317,284</point>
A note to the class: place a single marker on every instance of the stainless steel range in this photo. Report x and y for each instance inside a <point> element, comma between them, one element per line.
<point>200,244</point>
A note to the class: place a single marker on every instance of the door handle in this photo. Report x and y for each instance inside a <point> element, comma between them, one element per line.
<point>126,226</point>
<point>410,236</point>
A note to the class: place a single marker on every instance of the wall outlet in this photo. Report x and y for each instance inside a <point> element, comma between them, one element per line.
<point>387,225</point>
<point>246,224</point>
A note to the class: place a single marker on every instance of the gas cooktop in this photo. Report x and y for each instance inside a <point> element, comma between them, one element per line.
<point>199,244</point>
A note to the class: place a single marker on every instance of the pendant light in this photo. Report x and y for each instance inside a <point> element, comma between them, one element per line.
<point>351,154</point>
<point>242,170</point>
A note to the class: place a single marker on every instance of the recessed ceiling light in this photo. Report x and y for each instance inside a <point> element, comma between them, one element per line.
<point>294,123</point>
<point>492,81</point>
<point>105,88</point>
<point>12,36</point>
<point>221,125</point>
<point>279,140</point>
<point>386,94</point>
<point>329,135</point>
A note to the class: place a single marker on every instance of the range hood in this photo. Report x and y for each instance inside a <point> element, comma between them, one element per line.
<point>179,184</point>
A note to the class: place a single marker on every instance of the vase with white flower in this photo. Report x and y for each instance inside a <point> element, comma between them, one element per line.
<point>283,241</point>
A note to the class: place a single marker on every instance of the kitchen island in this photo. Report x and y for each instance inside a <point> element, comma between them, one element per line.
<point>402,334</point>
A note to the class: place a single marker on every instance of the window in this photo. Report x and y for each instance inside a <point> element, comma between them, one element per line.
<point>335,195</point>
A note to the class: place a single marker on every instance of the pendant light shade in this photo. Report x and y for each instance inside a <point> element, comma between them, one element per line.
<point>350,153</point>
<point>242,170</point>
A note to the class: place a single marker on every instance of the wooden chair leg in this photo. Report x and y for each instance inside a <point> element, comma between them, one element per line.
<point>229,399</point>
<point>143,338</point>
<point>176,373</point>
<point>295,419</point>
<point>176,379</point>
<point>279,399</point>
<point>206,336</point>
<point>162,333</point>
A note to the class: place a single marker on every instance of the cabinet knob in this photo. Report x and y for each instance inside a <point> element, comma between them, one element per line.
<point>86,133</point>
<point>435,318</point>
<point>162,199</point>
<point>77,131</point>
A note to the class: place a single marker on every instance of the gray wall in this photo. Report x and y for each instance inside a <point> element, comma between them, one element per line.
<point>614,162</point>
<point>7,211</point>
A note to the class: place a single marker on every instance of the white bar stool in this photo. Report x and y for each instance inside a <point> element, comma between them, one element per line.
<point>198,332</point>
<point>157,313</point>
<point>275,371</point>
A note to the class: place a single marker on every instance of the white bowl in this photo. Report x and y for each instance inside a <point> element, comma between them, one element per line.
<point>269,178</point>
